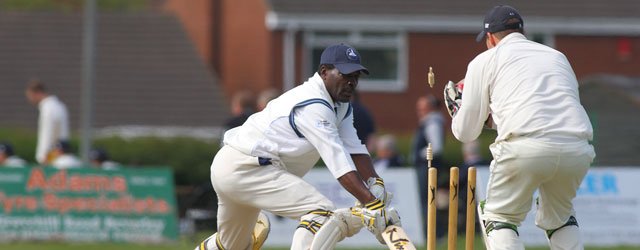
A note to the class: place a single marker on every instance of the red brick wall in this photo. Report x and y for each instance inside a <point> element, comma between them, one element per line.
<point>231,36</point>
<point>250,56</point>
<point>276,60</point>
<point>246,43</point>
<point>448,54</point>
<point>593,55</point>
<point>196,17</point>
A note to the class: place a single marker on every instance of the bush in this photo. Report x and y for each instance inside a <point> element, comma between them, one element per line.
<point>189,158</point>
<point>452,147</point>
<point>23,141</point>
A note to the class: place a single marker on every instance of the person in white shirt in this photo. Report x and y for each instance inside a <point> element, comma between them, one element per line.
<point>63,157</point>
<point>261,164</point>
<point>531,93</point>
<point>8,159</point>
<point>53,121</point>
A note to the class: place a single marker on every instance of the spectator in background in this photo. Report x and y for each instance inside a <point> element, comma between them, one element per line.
<point>387,154</point>
<point>53,121</point>
<point>242,106</point>
<point>430,130</point>
<point>471,154</point>
<point>362,120</point>
<point>266,96</point>
<point>8,159</point>
<point>472,158</point>
<point>100,159</point>
<point>63,157</point>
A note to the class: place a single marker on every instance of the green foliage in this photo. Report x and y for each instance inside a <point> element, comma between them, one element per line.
<point>452,147</point>
<point>35,5</point>
<point>72,5</point>
<point>23,141</point>
<point>189,158</point>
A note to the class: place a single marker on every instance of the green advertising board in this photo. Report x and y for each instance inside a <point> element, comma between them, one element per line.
<point>126,205</point>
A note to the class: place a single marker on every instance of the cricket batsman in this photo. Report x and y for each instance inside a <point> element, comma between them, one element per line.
<point>261,165</point>
<point>530,92</point>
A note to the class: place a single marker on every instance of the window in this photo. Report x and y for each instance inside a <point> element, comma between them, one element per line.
<point>383,53</point>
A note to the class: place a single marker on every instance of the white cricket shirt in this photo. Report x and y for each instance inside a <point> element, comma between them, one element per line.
<point>53,125</point>
<point>298,128</point>
<point>66,161</point>
<point>530,91</point>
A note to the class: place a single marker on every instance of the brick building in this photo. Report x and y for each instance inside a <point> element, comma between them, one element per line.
<point>257,44</point>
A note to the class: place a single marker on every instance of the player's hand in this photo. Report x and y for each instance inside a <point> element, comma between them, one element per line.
<point>393,217</point>
<point>376,187</point>
<point>374,217</point>
<point>453,97</point>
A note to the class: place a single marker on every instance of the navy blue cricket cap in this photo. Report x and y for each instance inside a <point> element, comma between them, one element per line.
<point>98,154</point>
<point>63,145</point>
<point>6,149</point>
<point>343,57</point>
<point>497,18</point>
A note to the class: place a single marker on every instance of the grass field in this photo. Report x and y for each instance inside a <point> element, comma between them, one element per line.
<point>190,243</point>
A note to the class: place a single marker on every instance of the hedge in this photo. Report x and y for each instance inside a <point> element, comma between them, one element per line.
<point>191,158</point>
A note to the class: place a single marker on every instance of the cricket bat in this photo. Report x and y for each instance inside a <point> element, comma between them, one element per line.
<point>397,239</point>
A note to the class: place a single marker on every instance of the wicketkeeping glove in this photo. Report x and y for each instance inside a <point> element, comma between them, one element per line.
<point>453,97</point>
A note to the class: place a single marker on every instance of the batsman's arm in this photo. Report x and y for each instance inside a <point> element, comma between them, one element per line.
<point>364,165</point>
<point>352,182</point>
<point>335,144</point>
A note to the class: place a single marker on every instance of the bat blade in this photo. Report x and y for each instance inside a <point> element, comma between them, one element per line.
<point>397,239</point>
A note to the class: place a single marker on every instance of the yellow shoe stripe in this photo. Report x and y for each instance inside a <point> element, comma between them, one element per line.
<point>203,244</point>
<point>219,243</point>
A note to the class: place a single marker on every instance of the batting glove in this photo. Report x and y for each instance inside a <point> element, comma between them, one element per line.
<point>376,187</point>
<point>374,217</point>
<point>393,217</point>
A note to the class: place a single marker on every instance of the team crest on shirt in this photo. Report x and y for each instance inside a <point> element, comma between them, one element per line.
<point>351,54</point>
<point>322,124</point>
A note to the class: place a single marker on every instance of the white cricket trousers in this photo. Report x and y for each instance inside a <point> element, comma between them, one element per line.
<point>244,188</point>
<point>522,165</point>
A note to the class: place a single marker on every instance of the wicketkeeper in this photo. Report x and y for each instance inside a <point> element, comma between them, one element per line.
<point>530,93</point>
<point>261,164</point>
